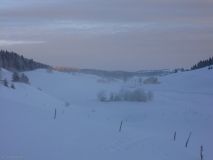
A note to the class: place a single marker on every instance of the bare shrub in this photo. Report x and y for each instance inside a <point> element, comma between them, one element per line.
<point>137,95</point>
<point>102,96</point>
<point>49,70</point>
<point>151,80</point>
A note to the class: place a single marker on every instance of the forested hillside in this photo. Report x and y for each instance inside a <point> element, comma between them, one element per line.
<point>203,63</point>
<point>14,62</point>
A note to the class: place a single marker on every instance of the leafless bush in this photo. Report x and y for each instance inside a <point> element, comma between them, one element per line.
<point>102,96</point>
<point>151,80</point>
<point>49,70</point>
<point>137,95</point>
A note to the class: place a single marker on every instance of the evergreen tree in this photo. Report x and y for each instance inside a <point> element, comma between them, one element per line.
<point>12,86</point>
<point>0,74</point>
<point>15,77</point>
<point>203,63</point>
<point>24,78</point>
<point>5,83</point>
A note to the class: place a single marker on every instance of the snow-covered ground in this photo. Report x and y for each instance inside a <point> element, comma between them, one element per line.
<point>86,129</point>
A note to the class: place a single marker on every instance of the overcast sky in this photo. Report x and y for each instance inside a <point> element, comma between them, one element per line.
<point>109,34</point>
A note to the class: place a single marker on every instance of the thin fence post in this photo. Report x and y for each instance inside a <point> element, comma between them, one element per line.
<point>187,141</point>
<point>55,114</point>
<point>201,152</point>
<point>120,128</point>
<point>175,136</point>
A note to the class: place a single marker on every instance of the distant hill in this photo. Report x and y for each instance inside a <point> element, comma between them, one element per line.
<point>14,62</point>
<point>125,74</point>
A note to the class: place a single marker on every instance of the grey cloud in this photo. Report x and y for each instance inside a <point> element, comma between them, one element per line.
<point>112,10</point>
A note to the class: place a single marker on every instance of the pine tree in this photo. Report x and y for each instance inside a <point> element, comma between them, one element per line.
<point>15,77</point>
<point>12,86</point>
<point>203,63</point>
<point>0,74</point>
<point>5,83</point>
<point>24,78</point>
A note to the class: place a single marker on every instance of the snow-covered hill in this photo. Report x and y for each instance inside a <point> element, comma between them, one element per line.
<point>85,128</point>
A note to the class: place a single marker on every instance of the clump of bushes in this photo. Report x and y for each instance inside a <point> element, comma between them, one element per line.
<point>137,95</point>
<point>151,80</point>
<point>102,96</point>
<point>6,83</point>
<point>210,67</point>
<point>16,77</point>
<point>49,70</point>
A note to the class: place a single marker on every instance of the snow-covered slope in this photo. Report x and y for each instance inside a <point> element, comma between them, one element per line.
<point>85,128</point>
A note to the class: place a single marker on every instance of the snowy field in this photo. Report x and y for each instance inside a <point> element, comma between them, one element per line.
<point>87,129</point>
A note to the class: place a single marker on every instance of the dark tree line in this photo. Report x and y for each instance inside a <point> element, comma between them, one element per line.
<point>14,62</point>
<point>203,63</point>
